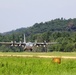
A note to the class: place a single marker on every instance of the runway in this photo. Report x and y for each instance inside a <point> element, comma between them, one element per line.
<point>40,56</point>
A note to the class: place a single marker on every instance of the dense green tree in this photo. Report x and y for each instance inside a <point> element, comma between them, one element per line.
<point>58,30</point>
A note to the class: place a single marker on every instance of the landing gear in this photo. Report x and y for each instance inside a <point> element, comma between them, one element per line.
<point>26,49</point>
<point>31,50</point>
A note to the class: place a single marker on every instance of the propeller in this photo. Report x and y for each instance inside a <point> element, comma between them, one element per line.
<point>44,45</point>
<point>37,46</point>
<point>12,43</point>
<point>20,43</point>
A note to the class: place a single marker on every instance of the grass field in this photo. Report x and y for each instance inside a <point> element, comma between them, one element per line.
<point>40,53</point>
<point>36,66</point>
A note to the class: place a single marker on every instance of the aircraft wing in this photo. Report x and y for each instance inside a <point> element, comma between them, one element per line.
<point>44,43</point>
<point>13,43</point>
<point>6,43</point>
<point>51,43</point>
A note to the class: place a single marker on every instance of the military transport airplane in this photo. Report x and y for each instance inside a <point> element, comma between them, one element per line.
<point>27,45</point>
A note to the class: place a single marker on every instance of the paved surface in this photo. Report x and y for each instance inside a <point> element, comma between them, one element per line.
<point>40,56</point>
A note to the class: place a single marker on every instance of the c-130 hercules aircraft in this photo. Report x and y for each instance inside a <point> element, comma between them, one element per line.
<point>27,45</point>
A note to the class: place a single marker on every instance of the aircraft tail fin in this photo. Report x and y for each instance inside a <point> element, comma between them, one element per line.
<point>24,39</point>
<point>35,42</point>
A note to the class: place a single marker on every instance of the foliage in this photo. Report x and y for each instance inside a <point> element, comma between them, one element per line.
<point>58,30</point>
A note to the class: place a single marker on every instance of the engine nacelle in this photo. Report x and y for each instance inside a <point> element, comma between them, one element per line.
<point>20,43</point>
<point>12,45</point>
<point>15,45</point>
<point>44,46</point>
<point>37,46</point>
<point>23,46</point>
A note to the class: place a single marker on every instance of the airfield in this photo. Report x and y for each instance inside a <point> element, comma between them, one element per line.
<point>62,55</point>
<point>37,63</point>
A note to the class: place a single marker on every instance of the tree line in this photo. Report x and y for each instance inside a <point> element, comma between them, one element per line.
<point>66,41</point>
<point>58,30</point>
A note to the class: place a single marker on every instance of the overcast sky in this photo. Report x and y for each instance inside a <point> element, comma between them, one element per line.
<point>24,13</point>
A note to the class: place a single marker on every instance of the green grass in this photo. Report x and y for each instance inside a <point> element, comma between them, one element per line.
<point>36,66</point>
<point>40,53</point>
